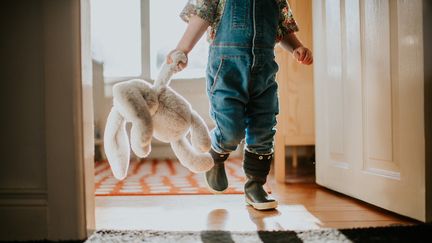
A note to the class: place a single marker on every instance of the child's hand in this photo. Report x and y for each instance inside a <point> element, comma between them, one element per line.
<point>180,65</point>
<point>303,55</point>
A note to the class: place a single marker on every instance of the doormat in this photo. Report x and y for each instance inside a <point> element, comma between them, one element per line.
<point>411,233</point>
<point>162,177</point>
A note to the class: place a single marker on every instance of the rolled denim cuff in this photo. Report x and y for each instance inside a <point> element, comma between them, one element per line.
<point>256,164</point>
<point>218,158</point>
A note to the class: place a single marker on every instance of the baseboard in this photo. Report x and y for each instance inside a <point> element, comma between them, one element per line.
<point>23,223</point>
<point>24,214</point>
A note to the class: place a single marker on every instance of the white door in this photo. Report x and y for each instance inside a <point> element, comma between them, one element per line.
<point>369,101</point>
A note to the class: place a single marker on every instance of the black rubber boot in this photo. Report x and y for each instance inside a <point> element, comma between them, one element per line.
<point>216,177</point>
<point>256,168</point>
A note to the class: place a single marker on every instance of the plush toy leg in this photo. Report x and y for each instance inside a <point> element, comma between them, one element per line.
<point>199,133</point>
<point>116,144</point>
<point>130,102</point>
<point>141,147</point>
<point>190,158</point>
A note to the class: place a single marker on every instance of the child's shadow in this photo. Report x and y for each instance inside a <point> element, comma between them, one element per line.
<point>217,218</point>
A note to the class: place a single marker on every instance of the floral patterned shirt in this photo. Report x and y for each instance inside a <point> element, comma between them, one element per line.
<point>211,11</point>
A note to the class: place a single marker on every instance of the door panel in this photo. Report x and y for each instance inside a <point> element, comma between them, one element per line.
<point>335,84</point>
<point>369,101</point>
<point>377,85</point>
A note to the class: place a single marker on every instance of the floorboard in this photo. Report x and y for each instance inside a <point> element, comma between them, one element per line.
<point>301,206</point>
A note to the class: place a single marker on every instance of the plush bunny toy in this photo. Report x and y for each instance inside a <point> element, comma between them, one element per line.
<point>155,110</point>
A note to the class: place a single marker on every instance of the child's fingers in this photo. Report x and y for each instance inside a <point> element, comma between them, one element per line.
<point>180,66</point>
<point>308,59</point>
<point>311,60</point>
<point>302,55</point>
<point>169,60</point>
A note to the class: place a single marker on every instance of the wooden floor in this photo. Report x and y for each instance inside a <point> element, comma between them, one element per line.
<point>301,207</point>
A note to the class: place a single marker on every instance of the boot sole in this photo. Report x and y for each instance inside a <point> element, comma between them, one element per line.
<point>213,190</point>
<point>262,206</point>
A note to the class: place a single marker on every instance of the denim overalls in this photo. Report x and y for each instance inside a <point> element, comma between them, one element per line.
<point>241,77</point>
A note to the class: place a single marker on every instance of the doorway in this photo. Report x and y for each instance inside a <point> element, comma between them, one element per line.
<point>225,212</point>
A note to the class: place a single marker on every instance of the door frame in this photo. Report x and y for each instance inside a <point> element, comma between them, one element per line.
<point>68,138</point>
<point>69,119</point>
<point>427,38</point>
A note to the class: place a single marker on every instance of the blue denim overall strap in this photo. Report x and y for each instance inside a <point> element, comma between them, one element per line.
<point>241,76</point>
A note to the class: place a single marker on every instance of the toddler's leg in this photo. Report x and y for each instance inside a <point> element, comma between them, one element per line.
<point>228,115</point>
<point>261,114</point>
<point>228,94</point>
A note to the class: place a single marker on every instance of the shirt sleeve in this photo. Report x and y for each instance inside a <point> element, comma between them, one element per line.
<point>287,23</point>
<point>205,9</point>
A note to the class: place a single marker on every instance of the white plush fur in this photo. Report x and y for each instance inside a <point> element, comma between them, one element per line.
<point>155,110</point>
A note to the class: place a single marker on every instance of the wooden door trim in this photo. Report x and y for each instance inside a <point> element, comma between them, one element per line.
<point>427,34</point>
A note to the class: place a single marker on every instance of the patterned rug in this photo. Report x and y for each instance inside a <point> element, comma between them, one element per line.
<point>162,177</point>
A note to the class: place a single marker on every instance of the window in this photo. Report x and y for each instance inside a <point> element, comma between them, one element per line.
<point>116,36</point>
<point>132,38</point>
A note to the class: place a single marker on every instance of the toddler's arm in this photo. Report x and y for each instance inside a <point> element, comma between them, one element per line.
<point>301,53</point>
<point>194,31</point>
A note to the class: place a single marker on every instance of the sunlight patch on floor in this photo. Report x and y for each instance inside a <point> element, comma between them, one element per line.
<point>228,214</point>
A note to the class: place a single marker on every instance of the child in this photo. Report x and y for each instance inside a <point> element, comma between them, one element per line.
<point>241,82</point>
